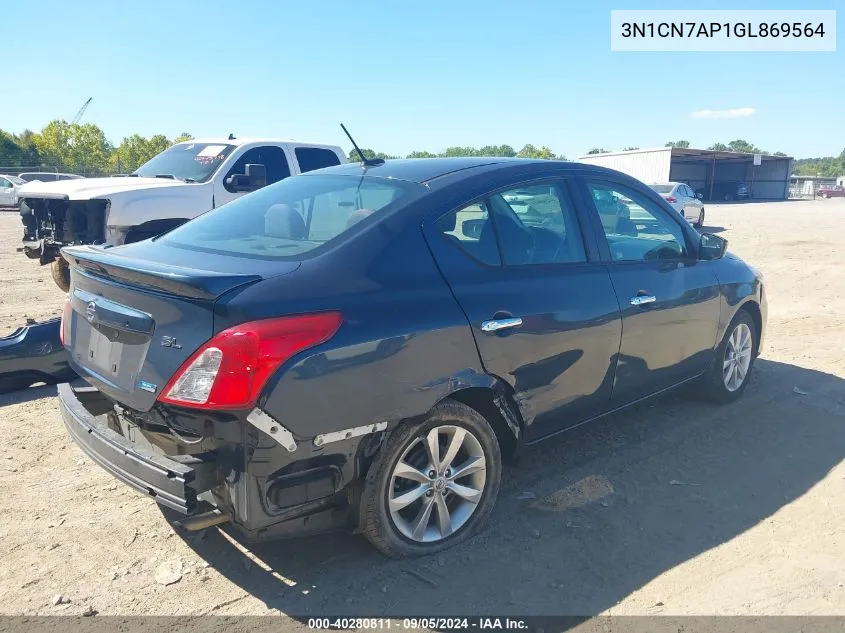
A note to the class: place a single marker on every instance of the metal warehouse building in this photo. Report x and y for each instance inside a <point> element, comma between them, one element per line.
<point>767,176</point>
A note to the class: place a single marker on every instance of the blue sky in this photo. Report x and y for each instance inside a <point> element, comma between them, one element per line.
<point>406,76</point>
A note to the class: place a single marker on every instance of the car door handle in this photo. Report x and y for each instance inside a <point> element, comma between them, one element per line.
<point>500,324</point>
<point>642,300</point>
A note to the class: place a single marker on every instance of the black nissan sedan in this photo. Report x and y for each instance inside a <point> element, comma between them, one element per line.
<point>360,347</point>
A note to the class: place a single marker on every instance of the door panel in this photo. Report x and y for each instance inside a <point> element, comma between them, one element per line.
<point>562,325</point>
<point>669,300</point>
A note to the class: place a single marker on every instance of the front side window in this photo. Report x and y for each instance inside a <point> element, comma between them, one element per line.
<point>190,162</point>
<point>4,184</point>
<point>635,227</point>
<point>532,224</point>
<point>271,156</point>
<point>292,217</point>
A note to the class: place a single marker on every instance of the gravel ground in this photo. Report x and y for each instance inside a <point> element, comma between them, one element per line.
<point>674,507</point>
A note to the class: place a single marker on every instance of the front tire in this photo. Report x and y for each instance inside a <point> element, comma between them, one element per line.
<point>60,271</point>
<point>433,483</point>
<point>733,361</point>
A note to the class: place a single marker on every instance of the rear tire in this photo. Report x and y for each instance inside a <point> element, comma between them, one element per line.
<point>60,271</point>
<point>418,528</point>
<point>732,362</point>
<point>700,222</point>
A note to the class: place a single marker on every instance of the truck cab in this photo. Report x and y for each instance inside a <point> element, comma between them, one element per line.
<point>177,185</point>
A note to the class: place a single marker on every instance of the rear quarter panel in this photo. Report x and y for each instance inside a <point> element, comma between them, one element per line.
<point>404,343</point>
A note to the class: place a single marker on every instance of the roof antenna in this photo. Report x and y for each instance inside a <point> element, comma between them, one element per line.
<point>369,162</point>
<point>231,137</point>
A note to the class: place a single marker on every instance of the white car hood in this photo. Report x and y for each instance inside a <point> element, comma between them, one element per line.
<point>90,188</point>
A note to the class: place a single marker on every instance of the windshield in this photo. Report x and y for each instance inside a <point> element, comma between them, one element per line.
<point>17,181</point>
<point>662,188</point>
<point>291,217</point>
<point>194,162</point>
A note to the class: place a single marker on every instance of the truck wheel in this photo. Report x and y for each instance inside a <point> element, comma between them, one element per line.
<point>433,483</point>
<point>60,270</point>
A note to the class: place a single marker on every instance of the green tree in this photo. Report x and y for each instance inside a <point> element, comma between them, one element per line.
<point>368,153</point>
<point>680,144</point>
<point>529,151</point>
<point>468,151</point>
<point>629,149</point>
<point>88,149</point>
<point>719,147</point>
<point>741,145</point>
<point>136,150</point>
<point>184,136</point>
<point>492,150</point>
<point>598,150</point>
<point>52,144</point>
<point>418,154</point>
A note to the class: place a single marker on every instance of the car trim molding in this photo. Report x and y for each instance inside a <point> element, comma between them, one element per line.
<point>265,422</point>
<point>345,434</point>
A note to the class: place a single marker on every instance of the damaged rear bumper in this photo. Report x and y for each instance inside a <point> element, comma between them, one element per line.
<point>173,481</point>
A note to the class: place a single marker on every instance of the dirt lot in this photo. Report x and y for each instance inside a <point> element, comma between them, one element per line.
<point>676,507</point>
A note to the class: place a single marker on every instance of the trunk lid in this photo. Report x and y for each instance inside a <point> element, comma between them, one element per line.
<point>138,312</point>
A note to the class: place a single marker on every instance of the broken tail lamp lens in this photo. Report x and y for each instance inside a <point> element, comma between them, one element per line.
<point>230,370</point>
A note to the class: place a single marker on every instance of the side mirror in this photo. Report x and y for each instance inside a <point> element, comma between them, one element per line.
<point>254,178</point>
<point>257,175</point>
<point>711,247</point>
<point>700,196</point>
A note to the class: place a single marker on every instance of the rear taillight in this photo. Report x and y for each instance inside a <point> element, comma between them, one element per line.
<point>65,322</point>
<point>671,199</point>
<point>230,370</point>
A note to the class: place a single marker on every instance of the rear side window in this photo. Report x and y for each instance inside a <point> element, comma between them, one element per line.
<point>292,217</point>
<point>533,224</point>
<point>311,158</point>
<point>273,158</point>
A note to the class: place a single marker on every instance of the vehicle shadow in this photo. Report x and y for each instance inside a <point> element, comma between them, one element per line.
<point>583,520</point>
<point>712,229</point>
<point>28,394</point>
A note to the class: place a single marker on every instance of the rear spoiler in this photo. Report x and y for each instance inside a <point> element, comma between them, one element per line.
<point>178,280</point>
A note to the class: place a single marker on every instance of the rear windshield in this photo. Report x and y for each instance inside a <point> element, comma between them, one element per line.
<point>662,188</point>
<point>291,217</point>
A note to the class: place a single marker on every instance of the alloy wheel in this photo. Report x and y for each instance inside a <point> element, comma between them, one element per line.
<point>737,358</point>
<point>437,484</point>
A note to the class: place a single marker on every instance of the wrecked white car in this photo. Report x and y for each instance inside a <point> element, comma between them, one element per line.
<point>175,186</point>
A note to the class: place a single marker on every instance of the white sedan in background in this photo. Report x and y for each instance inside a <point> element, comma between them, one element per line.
<point>683,200</point>
<point>8,190</point>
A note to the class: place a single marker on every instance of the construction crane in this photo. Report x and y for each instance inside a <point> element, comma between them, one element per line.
<point>81,111</point>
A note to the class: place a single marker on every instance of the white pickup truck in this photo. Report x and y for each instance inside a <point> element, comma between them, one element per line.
<point>175,186</point>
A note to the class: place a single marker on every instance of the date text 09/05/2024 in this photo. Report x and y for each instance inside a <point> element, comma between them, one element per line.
<point>438,623</point>
<point>723,29</point>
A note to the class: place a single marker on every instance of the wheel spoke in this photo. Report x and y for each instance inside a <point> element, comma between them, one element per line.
<point>406,471</point>
<point>728,362</point>
<point>406,499</point>
<point>432,446</point>
<point>472,465</point>
<point>444,519</point>
<point>470,494</point>
<point>452,450</point>
<point>420,522</point>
